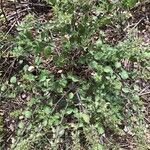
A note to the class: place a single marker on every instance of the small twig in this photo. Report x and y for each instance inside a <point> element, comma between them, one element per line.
<point>144,89</point>
<point>60,100</point>
<point>138,23</point>
<point>17,16</point>
<point>63,114</point>
<point>135,25</point>
<point>33,4</point>
<point>70,88</point>
<point>11,17</point>
<point>9,30</point>
<point>141,3</point>
<point>4,51</point>
<point>8,70</point>
<point>146,93</point>
<point>79,101</point>
<point>147,120</point>
<point>3,12</point>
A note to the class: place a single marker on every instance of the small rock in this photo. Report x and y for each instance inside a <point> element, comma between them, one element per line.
<point>21,117</point>
<point>31,68</point>
<point>60,71</point>
<point>24,95</point>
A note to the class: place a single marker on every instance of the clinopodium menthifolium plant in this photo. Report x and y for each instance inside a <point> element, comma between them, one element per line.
<point>74,88</point>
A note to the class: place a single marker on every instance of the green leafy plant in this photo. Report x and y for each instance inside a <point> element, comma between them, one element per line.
<point>78,90</point>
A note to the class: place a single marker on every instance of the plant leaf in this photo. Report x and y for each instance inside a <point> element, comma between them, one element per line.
<point>13,80</point>
<point>124,74</point>
<point>27,114</point>
<point>86,118</point>
<point>108,69</point>
<point>21,125</point>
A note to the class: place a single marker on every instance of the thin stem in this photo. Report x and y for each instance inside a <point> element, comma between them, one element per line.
<point>3,12</point>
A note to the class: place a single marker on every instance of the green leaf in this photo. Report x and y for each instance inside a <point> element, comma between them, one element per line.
<point>42,78</point>
<point>47,51</point>
<point>129,3</point>
<point>27,114</point>
<point>99,43</point>
<point>12,95</point>
<point>97,77</point>
<point>108,69</point>
<point>21,125</point>
<point>136,88</point>
<point>13,80</point>
<point>69,111</point>
<point>125,90</point>
<point>124,75</point>
<point>71,95</point>
<point>98,56</point>
<point>146,55</point>
<point>117,85</point>
<point>117,64</point>
<point>86,118</point>
<point>63,82</point>
<point>136,97</point>
<point>44,123</point>
<point>100,130</point>
<point>29,77</point>
<point>29,126</point>
<point>94,64</point>
<point>73,78</point>
<point>38,60</point>
<point>3,88</point>
<point>47,110</point>
<point>99,147</point>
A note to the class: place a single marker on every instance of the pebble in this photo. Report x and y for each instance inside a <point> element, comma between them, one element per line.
<point>31,68</point>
